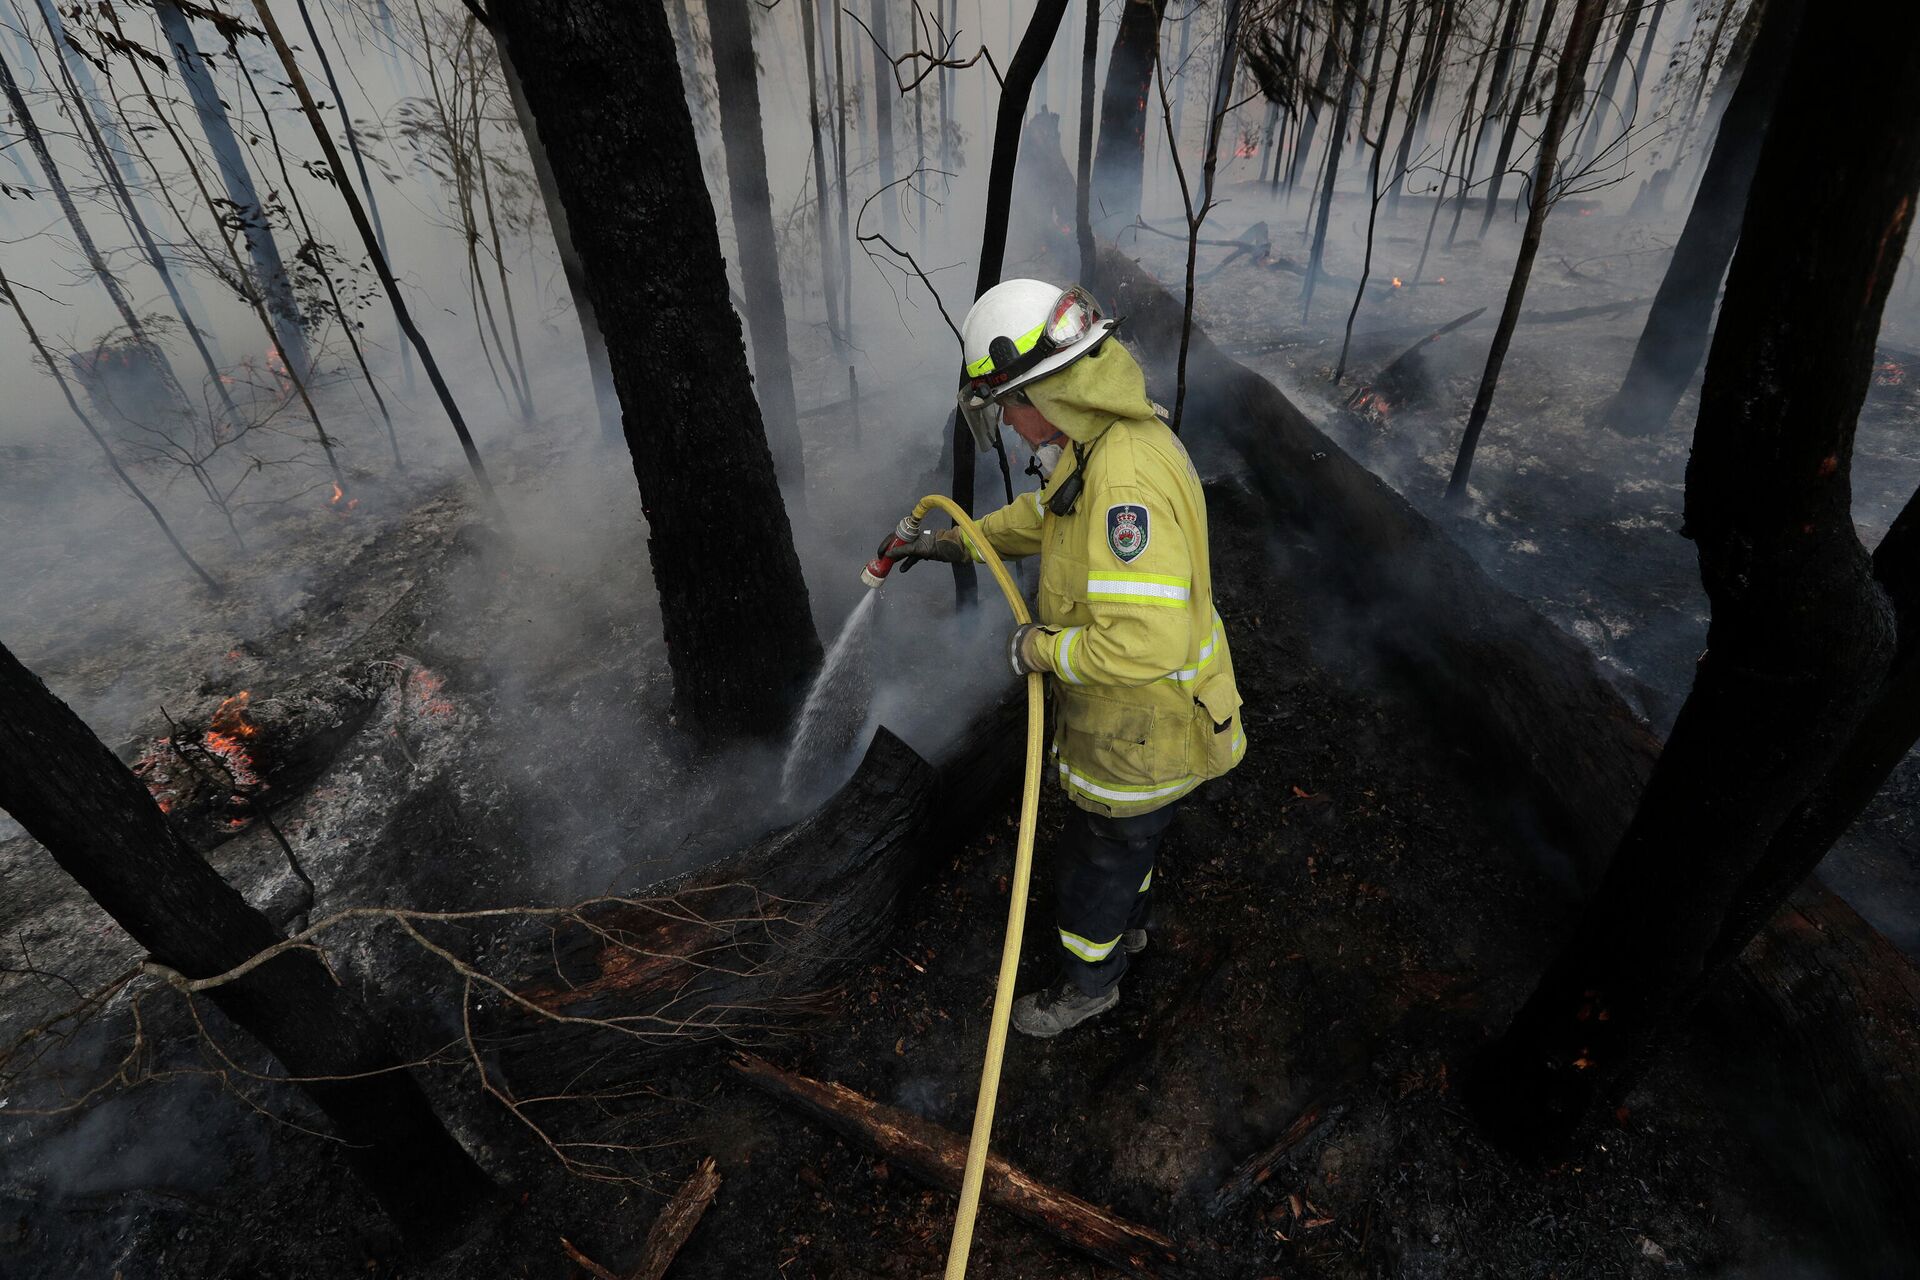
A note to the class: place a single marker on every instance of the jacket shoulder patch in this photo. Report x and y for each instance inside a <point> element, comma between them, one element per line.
<point>1128,530</point>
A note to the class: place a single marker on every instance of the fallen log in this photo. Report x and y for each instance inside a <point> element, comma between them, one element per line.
<point>676,1222</point>
<point>1258,1168</point>
<point>1534,707</point>
<point>938,1156</point>
<point>1403,376</point>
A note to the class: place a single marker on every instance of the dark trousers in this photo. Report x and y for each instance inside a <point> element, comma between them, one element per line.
<point>1103,875</point>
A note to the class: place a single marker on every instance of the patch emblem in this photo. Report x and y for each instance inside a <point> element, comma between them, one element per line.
<point>1127,530</point>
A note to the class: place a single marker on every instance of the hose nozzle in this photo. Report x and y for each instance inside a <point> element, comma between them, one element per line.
<point>881,565</point>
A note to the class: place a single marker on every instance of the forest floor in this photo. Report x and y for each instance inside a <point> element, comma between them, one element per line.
<point>1339,921</point>
<point>1578,520</point>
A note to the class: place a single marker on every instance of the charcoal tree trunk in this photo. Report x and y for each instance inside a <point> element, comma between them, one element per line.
<point>1014,94</point>
<point>1120,159</point>
<point>1675,337</point>
<point>1567,88</point>
<point>1316,100</point>
<point>276,286</point>
<point>575,272</point>
<point>1519,109</point>
<point>883,94</point>
<point>1802,636</point>
<point>97,821</point>
<point>606,94</point>
<point>738,82</point>
<point>1356,42</point>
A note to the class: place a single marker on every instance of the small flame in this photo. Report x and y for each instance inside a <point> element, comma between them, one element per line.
<point>1443,280</point>
<point>339,493</point>
<point>1396,282</point>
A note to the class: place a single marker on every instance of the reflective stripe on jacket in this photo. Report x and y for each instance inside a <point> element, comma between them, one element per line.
<point>1145,705</point>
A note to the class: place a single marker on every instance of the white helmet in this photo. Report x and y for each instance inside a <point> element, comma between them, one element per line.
<point>1018,332</point>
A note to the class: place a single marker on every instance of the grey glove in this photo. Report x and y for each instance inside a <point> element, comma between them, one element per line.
<point>947,546</point>
<point>1026,648</point>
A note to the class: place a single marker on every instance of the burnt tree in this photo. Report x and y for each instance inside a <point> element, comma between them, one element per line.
<point>1567,90</point>
<point>1015,90</point>
<point>1120,159</point>
<point>1675,336</point>
<point>1356,42</point>
<point>1802,637</point>
<point>99,823</point>
<point>1514,115</point>
<point>605,90</point>
<point>738,81</point>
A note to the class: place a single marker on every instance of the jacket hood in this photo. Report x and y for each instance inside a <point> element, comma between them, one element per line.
<point>1093,393</point>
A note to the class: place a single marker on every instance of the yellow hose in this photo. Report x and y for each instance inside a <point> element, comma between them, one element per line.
<point>1016,907</point>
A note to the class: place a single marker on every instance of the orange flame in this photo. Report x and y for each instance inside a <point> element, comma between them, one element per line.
<point>1396,282</point>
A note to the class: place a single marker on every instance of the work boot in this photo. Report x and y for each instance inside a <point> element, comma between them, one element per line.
<point>1048,1012</point>
<point>1133,941</point>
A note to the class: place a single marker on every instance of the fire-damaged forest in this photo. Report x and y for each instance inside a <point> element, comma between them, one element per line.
<point>465,814</point>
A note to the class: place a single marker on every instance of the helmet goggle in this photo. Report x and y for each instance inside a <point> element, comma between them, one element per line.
<point>983,385</point>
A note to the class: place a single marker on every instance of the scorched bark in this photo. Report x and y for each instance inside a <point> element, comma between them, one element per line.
<point>1801,635</point>
<point>605,90</point>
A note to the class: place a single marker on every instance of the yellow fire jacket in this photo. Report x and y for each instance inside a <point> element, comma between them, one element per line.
<point>1145,706</point>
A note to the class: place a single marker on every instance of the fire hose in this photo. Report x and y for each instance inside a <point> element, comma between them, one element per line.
<point>978,1141</point>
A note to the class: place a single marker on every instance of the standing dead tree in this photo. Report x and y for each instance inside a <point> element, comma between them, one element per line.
<point>1356,42</point>
<point>110,155</point>
<point>1802,647</point>
<point>1516,111</point>
<point>606,93</point>
<point>1015,91</point>
<point>96,819</point>
<point>353,149</point>
<point>372,245</point>
<point>52,365</point>
<point>314,253</point>
<point>445,129</point>
<point>1676,333</point>
<point>1373,178</point>
<point>1120,160</point>
<point>1196,217</point>
<point>246,284</point>
<point>734,71</point>
<point>56,183</point>
<point>247,213</point>
<point>1567,90</point>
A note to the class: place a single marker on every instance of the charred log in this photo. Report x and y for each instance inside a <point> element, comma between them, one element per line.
<point>937,1156</point>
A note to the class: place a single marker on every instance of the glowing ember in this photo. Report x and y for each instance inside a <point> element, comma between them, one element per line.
<point>427,689</point>
<point>1889,373</point>
<point>1443,280</point>
<point>167,774</point>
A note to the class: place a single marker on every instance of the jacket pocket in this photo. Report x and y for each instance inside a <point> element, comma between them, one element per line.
<point>1216,732</point>
<point>1111,741</point>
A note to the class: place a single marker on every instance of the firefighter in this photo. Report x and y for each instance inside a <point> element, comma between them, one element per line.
<point>1145,707</point>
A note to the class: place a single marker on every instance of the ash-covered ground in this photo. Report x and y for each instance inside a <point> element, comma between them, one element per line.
<point>1580,521</point>
<point>1341,920</point>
